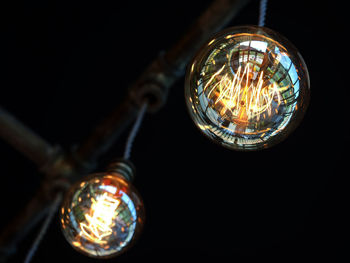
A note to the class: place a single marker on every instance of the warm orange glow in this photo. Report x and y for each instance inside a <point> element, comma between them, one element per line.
<point>100,219</point>
<point>76,244</point>
<point>245,95</point>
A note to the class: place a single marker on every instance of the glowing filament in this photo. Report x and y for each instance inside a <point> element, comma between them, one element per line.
<point>100,219</point>
<point>245,96</point>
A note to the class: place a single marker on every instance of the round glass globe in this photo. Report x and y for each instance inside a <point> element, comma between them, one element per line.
<point>102,215</point>
<point>247,88</point>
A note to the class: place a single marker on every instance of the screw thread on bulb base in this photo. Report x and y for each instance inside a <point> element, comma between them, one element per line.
<point>123,167</point>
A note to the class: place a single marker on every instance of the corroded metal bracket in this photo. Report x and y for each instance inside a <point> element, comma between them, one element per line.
<point>59,167</point>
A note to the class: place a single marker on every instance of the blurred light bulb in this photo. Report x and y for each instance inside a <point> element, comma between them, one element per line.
<point>102,215</point>
<point>247,88</point>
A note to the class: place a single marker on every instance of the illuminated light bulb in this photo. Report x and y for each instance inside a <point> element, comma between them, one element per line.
<point>102,215</point>
<point>247,88</point>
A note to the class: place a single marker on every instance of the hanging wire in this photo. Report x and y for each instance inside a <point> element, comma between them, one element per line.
<point>58,198</point>
<point>134,130</point>
<point>44,228</point>
<point>262,12</point>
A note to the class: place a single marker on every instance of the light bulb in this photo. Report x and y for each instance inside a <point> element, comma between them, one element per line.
<point>247,88</point>
<point>102,215</point>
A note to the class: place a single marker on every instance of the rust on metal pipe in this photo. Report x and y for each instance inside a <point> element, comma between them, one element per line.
<point>153,85</point>
<point>158,77</point>
<point>161,74</point>
<point>25,140</point>
<point>105,134</point>
<point>218,15</point>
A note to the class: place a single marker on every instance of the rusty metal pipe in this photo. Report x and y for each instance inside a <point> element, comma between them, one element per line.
<point>25,140</point>
<point>158,77</point>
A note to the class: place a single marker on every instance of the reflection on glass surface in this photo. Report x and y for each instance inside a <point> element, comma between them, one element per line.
<point>247,88</point>
<point>102,215</point>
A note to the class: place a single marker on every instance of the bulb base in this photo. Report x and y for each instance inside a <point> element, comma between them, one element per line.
<point>123,167</point>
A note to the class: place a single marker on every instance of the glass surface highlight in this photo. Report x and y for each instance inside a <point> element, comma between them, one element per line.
<point>247,88</point>
<point>102,215</point>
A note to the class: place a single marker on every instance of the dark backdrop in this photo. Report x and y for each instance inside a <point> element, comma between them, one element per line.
<point>65,65</point>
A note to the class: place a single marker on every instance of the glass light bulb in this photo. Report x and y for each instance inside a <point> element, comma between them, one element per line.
<point>102,215</point>
<point>247,88</point>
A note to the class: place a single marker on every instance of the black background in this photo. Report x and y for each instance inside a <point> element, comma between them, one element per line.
<point>65,65</point>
